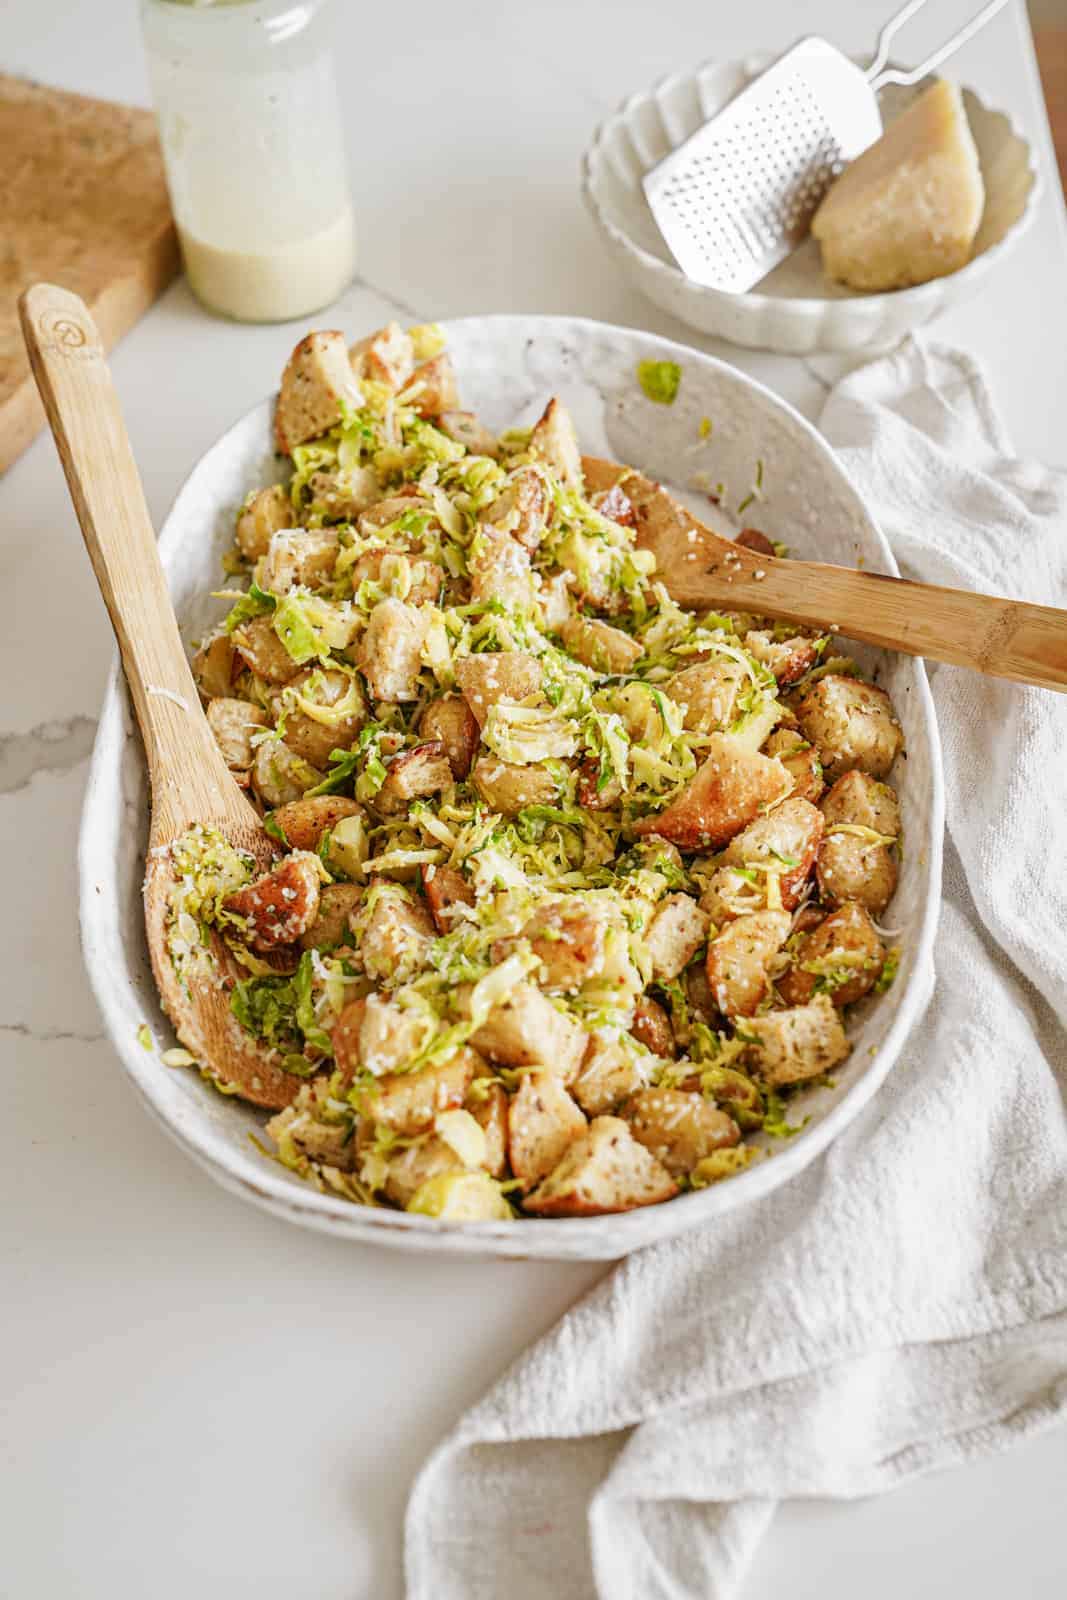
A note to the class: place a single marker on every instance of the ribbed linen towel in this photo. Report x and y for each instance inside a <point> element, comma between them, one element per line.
<point>902,1304</point>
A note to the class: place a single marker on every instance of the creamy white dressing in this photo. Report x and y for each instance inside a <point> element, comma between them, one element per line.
<point>275,281</point>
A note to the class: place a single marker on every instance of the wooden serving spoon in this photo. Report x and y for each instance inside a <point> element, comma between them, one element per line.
<point>700,569</point>
<point>190,782</point>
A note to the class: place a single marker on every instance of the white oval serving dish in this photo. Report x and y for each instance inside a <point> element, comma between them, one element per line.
<point>796,310</point>
<point>507,366</point>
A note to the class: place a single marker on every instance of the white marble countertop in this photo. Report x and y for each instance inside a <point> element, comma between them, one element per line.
<point>159,1338</point>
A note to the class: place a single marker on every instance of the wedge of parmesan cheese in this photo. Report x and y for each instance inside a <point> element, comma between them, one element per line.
<point>907,210</point>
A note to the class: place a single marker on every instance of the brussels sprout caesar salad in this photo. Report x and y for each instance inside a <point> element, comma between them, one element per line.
<point>572,887</point>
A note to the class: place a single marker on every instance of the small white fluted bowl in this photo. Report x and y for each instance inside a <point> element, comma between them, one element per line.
<point>796,310</point>
<point>507,367</point>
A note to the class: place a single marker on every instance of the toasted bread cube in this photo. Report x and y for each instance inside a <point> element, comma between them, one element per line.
<point>604,1170</point>
<point>414,1168</point>
<point>408,1102</point>
<point>500,570</point>
<point>610,1071</point>
<point>678,1128</point>
<point>390,652</point>
<point>303,822</point>
<point>599,645</point>
<point>799,759</point>
<point>593,793</point>
<point>338,903</point>
<point>281,905</point>
<point>728,791</point>
<point>445,889</point>
<point>526,1030</point>
<point>280,776</point>
<point>465,429</point>
<point>302,557</point>
<point>616,505</point>
<point>396,936</point>
<point>602,476</point>
<point>851,724</point>
<point>699,1000</point>
<point>345,495</point>
<point>317,384</point>
<point>675,934</point>
<point>652,1027</point>
<point>843,957</point>
<point>555,601</point>
<point>499,675</point>
<point>788,659</point>
<point>491,1115</point>
<point>510,789</point>
<point>424,579</point>
<point>262,651</point>
<point>233,722</point>
<point>389,1036</point>
<point>520,509</point>
<point>412,774</point>
<point>327,1143</point>
<point>326,688</point>
<point>261,516</point>
<point>785,840</point>
<point>554,440</point>
<point>216,667</point>
<point>345,1035</point>
<point>859,799</point>
<point>707,693</point>
<point>569,941</point>
<point>392,507</point>
<point>854,869</point>
<point>739,958</point>
<point>452,723</point>
<point>387,356</point>
<point>803,1042</point>
<point>542,1121</point>
<point>731,893</point>
<point>437,389</point>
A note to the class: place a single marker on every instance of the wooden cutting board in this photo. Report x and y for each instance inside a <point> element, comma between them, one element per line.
<point>83,204</point>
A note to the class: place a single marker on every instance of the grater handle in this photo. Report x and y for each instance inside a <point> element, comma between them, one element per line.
<point>879,77</point>
<point>888,33</point>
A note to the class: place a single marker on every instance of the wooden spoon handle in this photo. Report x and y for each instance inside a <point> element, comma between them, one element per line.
<point>1004,638</point>
<point>1000,637</point>
<point>68,364</point>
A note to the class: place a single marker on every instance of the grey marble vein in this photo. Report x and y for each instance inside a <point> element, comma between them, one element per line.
<point>24,1030</point>
<point>50,747</point>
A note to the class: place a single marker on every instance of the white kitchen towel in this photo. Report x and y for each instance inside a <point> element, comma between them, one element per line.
<point>902,1305</point>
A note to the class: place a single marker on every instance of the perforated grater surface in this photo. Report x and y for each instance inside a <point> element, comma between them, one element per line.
<point>738,196</point>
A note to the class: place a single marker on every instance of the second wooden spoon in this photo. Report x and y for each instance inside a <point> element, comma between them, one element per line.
<point>700,569</point>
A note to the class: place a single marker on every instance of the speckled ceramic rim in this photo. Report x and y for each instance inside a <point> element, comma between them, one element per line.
<point>915,298</point>
<point>598,1238</point>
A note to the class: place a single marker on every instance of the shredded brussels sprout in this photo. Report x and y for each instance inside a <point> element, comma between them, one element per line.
<point>474,702</point>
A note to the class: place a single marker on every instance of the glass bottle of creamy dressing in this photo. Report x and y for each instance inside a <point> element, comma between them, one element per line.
<point>250,125</point>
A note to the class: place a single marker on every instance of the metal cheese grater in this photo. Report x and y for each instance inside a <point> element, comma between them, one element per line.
<point>739,195</point>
